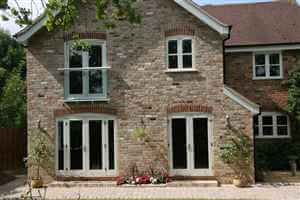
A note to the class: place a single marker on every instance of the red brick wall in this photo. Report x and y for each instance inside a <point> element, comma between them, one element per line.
<point>271,94</point>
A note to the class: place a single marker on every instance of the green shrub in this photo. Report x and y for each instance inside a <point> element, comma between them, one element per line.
<point>274,155</point>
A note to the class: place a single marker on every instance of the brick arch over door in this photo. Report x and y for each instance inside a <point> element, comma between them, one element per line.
<point>84,108</point>
<point>189,107</point>
<point>179,29</point>
<point>85,35</point>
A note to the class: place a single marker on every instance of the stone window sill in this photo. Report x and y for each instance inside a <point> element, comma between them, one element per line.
<point>180,70</point>
<point>87,100</point>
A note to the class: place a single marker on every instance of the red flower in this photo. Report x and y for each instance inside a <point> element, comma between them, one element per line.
<point>120,181</point>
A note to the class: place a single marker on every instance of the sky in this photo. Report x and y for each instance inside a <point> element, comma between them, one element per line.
<point>37,9</point>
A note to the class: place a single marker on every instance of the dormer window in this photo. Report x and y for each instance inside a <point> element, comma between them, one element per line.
<point>267,65</point>
<point>180,53</point>
<point>86,72</point>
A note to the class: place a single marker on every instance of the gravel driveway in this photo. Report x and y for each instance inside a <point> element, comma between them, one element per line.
<point>258,192</point>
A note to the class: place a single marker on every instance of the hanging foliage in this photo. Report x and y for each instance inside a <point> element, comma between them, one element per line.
<point>63,13</point>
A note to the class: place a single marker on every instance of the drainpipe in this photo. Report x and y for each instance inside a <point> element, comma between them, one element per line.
<point>224,63</point>
<point>254,143</point>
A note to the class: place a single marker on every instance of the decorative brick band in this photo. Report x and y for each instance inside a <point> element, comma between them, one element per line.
<point>84,108</point>
<point>85,35</point>
<point>179,30</point>
<point>178,108</point>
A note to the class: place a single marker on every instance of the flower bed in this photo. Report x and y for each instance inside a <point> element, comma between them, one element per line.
<point>140,180</point>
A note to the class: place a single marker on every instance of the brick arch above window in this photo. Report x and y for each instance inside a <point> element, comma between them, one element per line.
<point>179,29</point>
<point>85,35</point>
<point>84,108</point>
<point>189,107</point>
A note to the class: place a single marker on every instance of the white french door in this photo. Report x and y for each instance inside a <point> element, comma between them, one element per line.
<point>86,147</point>
<point>190,145</point>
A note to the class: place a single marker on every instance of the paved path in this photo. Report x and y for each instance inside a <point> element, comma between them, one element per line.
<point>258,192</point>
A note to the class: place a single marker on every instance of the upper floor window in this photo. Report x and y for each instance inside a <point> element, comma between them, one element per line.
<point>267,65</point>
<point>180,53</point>
<point>272,125</point>
<point>86,72</point>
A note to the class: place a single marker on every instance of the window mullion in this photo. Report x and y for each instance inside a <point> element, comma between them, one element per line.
<point>85,73</point>
<point>267,62</point>
<point>275,125</point>
<point>260,126</point>
<point>179,53</point>
<point>67,73</point>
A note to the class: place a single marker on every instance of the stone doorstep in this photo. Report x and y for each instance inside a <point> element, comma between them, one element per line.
<point>194,183</point>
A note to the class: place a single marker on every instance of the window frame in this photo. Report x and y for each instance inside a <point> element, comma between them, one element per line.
<point>86,171</point>
<point>180,54</point>
<point>267,65</point>
<point>85,96</point>
<point>275,126</point>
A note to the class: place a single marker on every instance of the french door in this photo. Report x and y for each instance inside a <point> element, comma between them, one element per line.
<point>190,145</point>
<point>86,147</point>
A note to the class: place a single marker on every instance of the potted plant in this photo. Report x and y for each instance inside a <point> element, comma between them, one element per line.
<point>37,155</point>
<point>237,154</point>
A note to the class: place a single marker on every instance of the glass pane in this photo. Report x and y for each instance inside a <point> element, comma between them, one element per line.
<point>274,70</point>
<point>179,143</point>
<point>172,46</point>
<point>187,46</point>
<point>95,82</point>
<point>268,131</point>
<point>187,61</point>
<point>201,156</point>
<point>267,120</point>
<point>95,133</point>
<point>76,85</point>
<point>282,120</point>
<point>75,59</point>
<point>282,131</point>
<point>173,62</point>
<point>60,145</point>
<point>260,71</point>
<point>260,59</point>
<point>76,145</point>
<point>111,144</point>
<point>274,59</point>
<point>95,56</point>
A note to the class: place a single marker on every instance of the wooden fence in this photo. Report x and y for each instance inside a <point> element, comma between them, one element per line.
<point>13,148</point>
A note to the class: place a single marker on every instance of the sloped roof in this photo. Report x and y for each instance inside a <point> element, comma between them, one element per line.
<point>259,23</point>
<point>193,8</point>
<point>243,101</point>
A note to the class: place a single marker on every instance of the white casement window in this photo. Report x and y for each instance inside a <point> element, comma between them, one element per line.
<point>272,125</point>
<point>180,53</point>
<point>86,72</point>
<point>267,65</point>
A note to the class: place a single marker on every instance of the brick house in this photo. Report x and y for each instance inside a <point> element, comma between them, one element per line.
<point>186,72</point>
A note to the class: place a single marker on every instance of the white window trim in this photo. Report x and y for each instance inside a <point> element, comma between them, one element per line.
<point>267,65</point>
<point>86,96</point>
<point>275,134</point>
<point>85,172</point>
<point>180,54</point>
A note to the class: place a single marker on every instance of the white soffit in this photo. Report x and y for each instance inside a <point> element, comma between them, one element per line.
<point>243,101</point>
